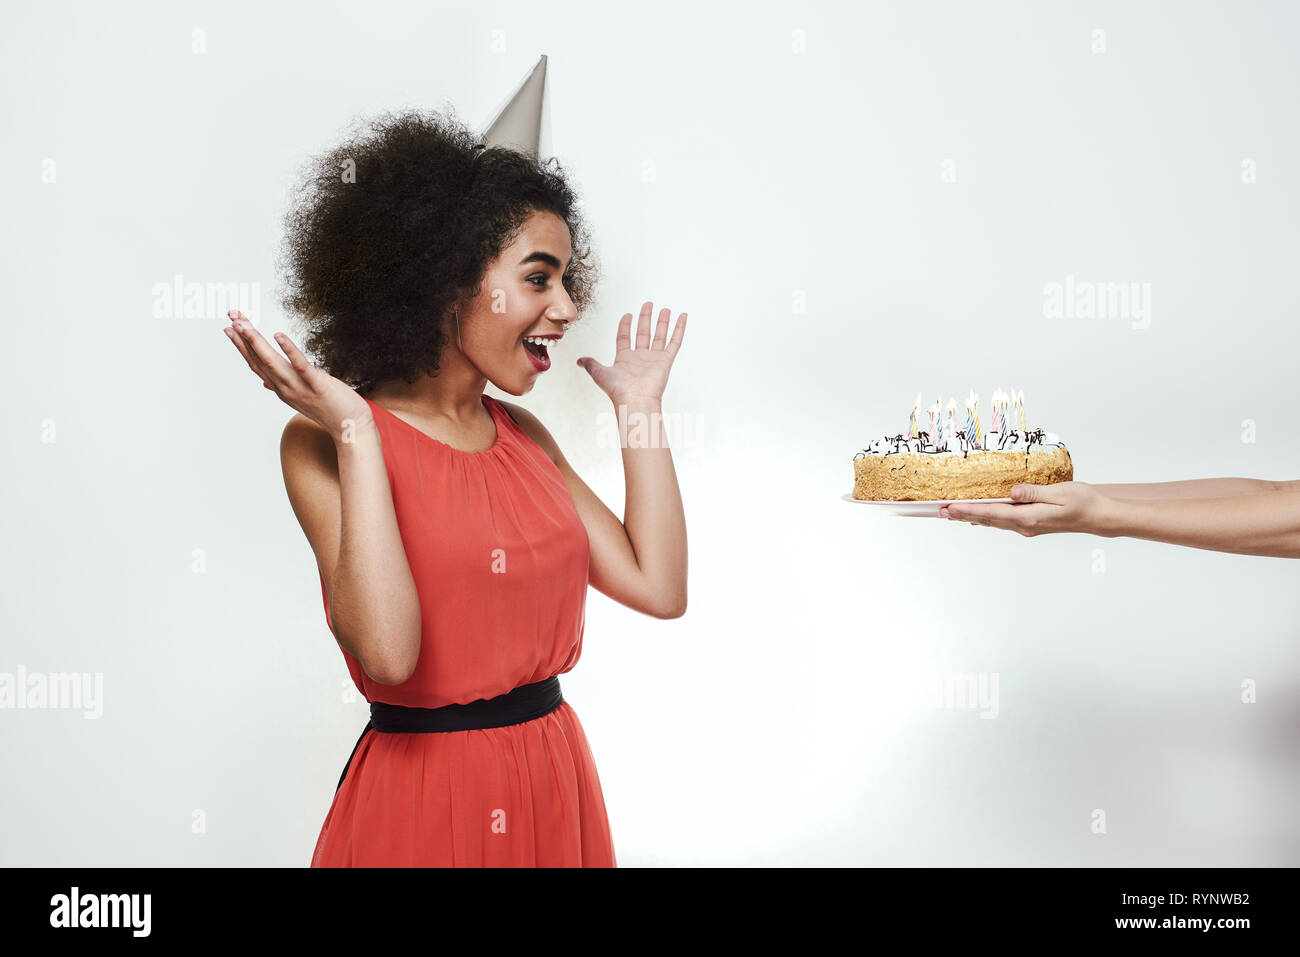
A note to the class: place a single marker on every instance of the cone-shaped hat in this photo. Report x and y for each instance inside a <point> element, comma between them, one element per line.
<point>523,122</point>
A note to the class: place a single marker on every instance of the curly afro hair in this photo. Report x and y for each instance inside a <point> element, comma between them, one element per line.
<point>376,259</point>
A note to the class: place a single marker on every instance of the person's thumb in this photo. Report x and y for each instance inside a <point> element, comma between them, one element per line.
<point>1026,493</point>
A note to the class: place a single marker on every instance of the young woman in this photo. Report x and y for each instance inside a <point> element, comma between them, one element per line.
<point>1242,515</point>
<point>454,542</point>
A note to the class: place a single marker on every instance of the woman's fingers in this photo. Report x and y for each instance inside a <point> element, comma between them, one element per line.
<point>981,512</point>
<point>661,338</point>
<point>275,370</point>
<point>238,340</point>
<point>274,367</point>
<point>297,360</point>
<point>1025,519</point>
<point>678,331</point>
<point>643,326</point>
<point>244,341</point>
<point>661,329</point>
<point>239,324</point>
<point>623,337</point>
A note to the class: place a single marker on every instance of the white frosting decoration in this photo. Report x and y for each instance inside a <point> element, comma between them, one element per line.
<point>992,442</point>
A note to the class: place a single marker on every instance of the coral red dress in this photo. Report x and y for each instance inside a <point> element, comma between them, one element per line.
<point>500,561</point>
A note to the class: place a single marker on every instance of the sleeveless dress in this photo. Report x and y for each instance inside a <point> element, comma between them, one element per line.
<point>500,562</point>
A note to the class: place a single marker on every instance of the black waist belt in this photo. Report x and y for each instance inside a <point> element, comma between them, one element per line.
<point>514,707</point>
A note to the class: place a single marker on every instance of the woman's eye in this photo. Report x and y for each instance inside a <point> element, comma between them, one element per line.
<point>540,281</point>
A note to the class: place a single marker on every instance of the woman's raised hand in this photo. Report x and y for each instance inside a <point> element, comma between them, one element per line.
<point>315,393</point>
<point>641,372</point>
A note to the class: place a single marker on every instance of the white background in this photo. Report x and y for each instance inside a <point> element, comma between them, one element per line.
<point>729,175</point>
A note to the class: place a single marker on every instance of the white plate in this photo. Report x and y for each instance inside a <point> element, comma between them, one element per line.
<point>918,509</point>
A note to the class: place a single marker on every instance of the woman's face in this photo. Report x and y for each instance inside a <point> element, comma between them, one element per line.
<point>523,294</point>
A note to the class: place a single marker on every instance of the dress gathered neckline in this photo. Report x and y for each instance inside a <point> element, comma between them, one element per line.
<point>484,398</point>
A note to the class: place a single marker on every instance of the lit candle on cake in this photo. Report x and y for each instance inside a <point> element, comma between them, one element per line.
<point>1020,409</point>
<point>997,426</point>
<point>934,424</point>
<point>973,420</point>
<point>950,431</point>
<point>911,427</point>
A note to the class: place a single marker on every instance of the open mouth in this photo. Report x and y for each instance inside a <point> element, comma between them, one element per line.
<point>537,355</point>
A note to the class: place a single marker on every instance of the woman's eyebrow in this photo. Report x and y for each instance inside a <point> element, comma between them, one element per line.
<point>541,257</point>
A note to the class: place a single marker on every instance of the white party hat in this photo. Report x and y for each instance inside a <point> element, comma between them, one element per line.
<point>523,122</point>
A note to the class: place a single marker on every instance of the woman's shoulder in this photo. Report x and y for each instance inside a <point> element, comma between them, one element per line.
<point>302,434</point>
<point>306,445</point>
<point>532,427</point>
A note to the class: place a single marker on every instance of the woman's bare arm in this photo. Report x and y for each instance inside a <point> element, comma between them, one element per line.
<point>339,490</point>
<point>337,482</point>
<point>1267,523</point>
<point>645,554</point>
<point>1191,488</point>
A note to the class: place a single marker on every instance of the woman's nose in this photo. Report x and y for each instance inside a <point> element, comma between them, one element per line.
<point>564,310</point>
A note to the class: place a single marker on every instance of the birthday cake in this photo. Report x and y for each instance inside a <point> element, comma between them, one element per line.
<point>945,463</point>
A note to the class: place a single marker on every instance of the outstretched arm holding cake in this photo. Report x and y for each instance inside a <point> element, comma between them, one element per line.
<point>952,468</point>
<point>1237,519</point>
<point>1194,488</point>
